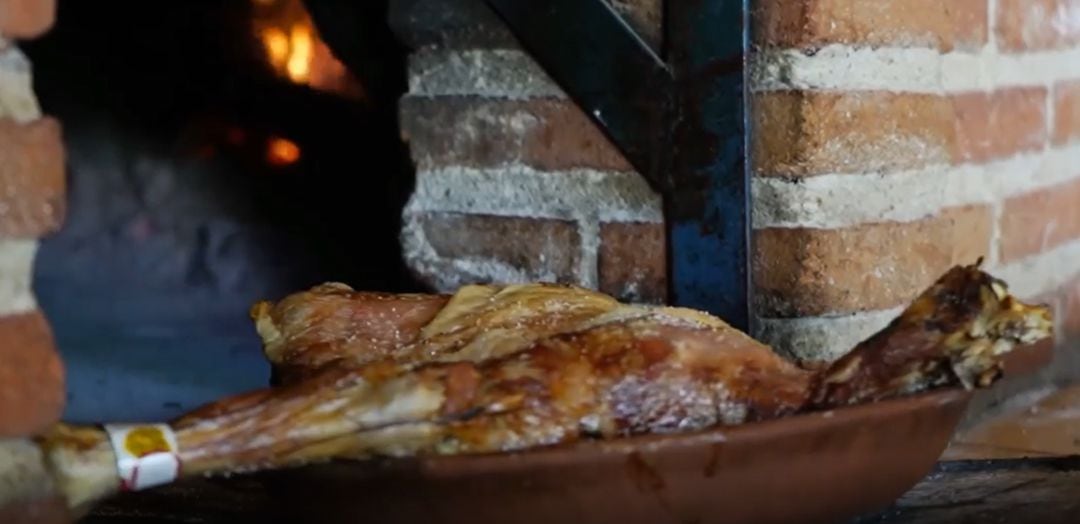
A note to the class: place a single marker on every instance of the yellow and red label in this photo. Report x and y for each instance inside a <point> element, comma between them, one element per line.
<point>146,454</point>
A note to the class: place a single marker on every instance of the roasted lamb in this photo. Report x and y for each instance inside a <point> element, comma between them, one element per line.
<point>507,368</point>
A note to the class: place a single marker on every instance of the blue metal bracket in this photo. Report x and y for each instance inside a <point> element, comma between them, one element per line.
<point>680,120</point>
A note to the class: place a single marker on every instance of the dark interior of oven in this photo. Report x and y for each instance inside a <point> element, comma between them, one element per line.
<point>206,171</point>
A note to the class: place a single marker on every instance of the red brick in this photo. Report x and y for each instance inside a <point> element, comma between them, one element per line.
<point>1040,220</point>
<point>538,247</point>
<point>22,19</point>
<point>804,271</point>
<point>32,179</point>
<point>487,132</point>
<point>1037,24</point>
<point>31,376</point>
<point>999,124</point>
<point>1066,112</point>
<point>800,133</point>
<point>633,261</point>
<point>944,25</point>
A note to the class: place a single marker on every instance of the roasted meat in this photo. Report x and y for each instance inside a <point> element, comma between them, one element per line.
<point>503,368</point>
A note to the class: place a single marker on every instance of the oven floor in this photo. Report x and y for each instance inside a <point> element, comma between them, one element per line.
<point>141,377</point>
<point>139,357</point>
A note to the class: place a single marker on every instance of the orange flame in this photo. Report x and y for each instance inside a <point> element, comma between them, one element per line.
<point>295,51</point>
<point>277,46</point>
<point>299,65</point>
<point>282,152</point>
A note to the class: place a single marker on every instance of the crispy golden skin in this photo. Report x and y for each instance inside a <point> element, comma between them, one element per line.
<point>498,368</point>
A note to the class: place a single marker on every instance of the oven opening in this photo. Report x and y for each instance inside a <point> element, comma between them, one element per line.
<point>218,153</point>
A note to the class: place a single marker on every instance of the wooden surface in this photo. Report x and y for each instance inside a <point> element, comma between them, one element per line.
<point>1042,425</point>
<point>1045,490</point>
<point>214,501</point>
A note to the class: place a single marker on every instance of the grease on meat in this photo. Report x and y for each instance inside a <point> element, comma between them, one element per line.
<point>501,368</point>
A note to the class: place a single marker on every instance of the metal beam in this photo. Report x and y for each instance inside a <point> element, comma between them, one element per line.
<point>707,205</point>
<point>605,67</point>
<point>681,123</point>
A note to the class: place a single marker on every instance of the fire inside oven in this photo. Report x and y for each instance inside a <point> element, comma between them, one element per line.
<point>218,154</point>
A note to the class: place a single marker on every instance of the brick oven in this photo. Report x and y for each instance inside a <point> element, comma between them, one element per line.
<point>213,155</point>
<point>885,141</point>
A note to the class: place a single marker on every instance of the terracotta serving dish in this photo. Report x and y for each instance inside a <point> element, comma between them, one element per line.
<point>819,467</point>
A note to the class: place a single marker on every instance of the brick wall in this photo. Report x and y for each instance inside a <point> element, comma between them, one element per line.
<point>31,206</point>
<point>513,181</point>
<point>891,140</point>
